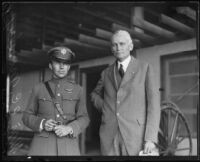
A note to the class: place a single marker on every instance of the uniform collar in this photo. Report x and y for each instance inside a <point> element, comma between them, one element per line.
<point>58,80</point>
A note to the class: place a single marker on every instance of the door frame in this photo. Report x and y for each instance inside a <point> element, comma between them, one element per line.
<point>83,82</point>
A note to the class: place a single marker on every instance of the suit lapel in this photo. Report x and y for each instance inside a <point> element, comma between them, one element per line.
<point>112,75</point>
<point>130,72</point>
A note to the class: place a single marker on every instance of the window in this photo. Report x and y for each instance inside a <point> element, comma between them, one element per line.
<point>180,78</point>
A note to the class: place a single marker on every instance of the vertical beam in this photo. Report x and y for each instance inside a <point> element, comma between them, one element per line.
<point>84,85</point>
<point>44,22</point>
<point>10,32</point>
<point>7,93</point>
<point>137,12</point>
<point>10,27</point>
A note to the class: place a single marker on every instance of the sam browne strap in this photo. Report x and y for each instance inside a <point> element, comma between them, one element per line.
<point>56,105</point>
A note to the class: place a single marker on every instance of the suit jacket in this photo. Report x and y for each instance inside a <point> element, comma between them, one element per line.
<point>133,106</point>
<point>40,106</point>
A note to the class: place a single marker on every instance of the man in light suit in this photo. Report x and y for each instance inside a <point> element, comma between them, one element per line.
<point>128,98</point>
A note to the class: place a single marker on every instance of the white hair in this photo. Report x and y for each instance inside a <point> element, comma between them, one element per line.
<point>124,33</point>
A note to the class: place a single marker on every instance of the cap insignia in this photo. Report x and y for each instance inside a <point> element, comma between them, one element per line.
<point>63,51</point>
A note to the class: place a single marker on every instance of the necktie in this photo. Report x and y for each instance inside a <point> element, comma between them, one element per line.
<point>121,71</point>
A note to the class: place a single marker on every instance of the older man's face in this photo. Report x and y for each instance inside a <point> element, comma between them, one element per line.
<point>121,47</point>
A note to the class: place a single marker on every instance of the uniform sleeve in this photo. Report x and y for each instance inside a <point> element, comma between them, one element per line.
<point>153,106</point>
<point>82,119</point>
<point>30,118</point>
<point>97,93</point>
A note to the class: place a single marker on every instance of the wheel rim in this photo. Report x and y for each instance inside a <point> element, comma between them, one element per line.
<point>174,134</point>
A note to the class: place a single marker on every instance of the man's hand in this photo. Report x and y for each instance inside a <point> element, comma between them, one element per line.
<point>63,130</point>
<point>49,124</point>
<point>149,146</point>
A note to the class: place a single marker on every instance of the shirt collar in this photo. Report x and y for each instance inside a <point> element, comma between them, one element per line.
<point>124,63</point>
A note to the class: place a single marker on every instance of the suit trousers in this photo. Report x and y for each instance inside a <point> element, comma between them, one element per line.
<point>119,148</point>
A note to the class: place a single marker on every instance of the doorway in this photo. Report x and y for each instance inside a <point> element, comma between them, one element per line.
<point>92,139</point>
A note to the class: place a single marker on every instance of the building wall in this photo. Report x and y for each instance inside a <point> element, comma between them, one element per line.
<point>152,54</point>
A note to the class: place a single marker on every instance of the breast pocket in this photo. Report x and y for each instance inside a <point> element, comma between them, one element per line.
<point>43,134</point>
<point>44,105</point>
<point>69,103</point>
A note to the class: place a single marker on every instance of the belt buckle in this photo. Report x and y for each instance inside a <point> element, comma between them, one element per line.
<point>57,123</point>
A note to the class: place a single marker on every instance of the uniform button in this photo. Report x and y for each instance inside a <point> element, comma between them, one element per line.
<point>58,105</point>
<point>58,94</point>
<point>118,102</point>
<point>117,114</point>
<point>57,115</point>
<point>58,85</point>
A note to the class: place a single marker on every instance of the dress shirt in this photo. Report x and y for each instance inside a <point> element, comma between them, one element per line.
<point>124,63</point>
<point>41,127</point>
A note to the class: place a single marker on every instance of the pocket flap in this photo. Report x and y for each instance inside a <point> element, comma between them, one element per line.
<point>70,97</point>
<point>43,134</point>
<point>140,121</point>
<point>44,99</point>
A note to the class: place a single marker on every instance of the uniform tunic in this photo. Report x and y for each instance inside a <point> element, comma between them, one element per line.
<point>40,106</point>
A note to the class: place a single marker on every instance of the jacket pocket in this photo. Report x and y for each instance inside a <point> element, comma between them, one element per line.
<point>69,103</point>
<point>43,134</point>
<point>44,105</point>
<point>141,121</point>
<point>70,98</point>
<point>44,99</point>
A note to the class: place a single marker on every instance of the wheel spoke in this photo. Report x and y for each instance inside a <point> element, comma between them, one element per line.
<point>180,140</point>
<point>178,128</point>
<point>168,126</point>
<point>163,141</point>
<point>174,127</point>
<point>182,149</point>
<point>163,126</point>
<point>164,153</point>
<point>161,147</point>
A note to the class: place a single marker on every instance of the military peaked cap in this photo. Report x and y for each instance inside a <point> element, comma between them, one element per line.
<point>61,54</point>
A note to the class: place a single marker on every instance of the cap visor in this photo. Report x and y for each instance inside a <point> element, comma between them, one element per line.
<point>61,60</point>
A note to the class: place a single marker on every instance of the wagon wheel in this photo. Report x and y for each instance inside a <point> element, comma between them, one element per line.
<point>174,134</point>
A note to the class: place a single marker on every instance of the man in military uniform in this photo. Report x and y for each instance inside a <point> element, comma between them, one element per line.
<point>56,110</point>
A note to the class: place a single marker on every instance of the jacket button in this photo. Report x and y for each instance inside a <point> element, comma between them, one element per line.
<point>118,102</point>
<point>117,114</point>
<point>58,94</point>
<point>57,115</point>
